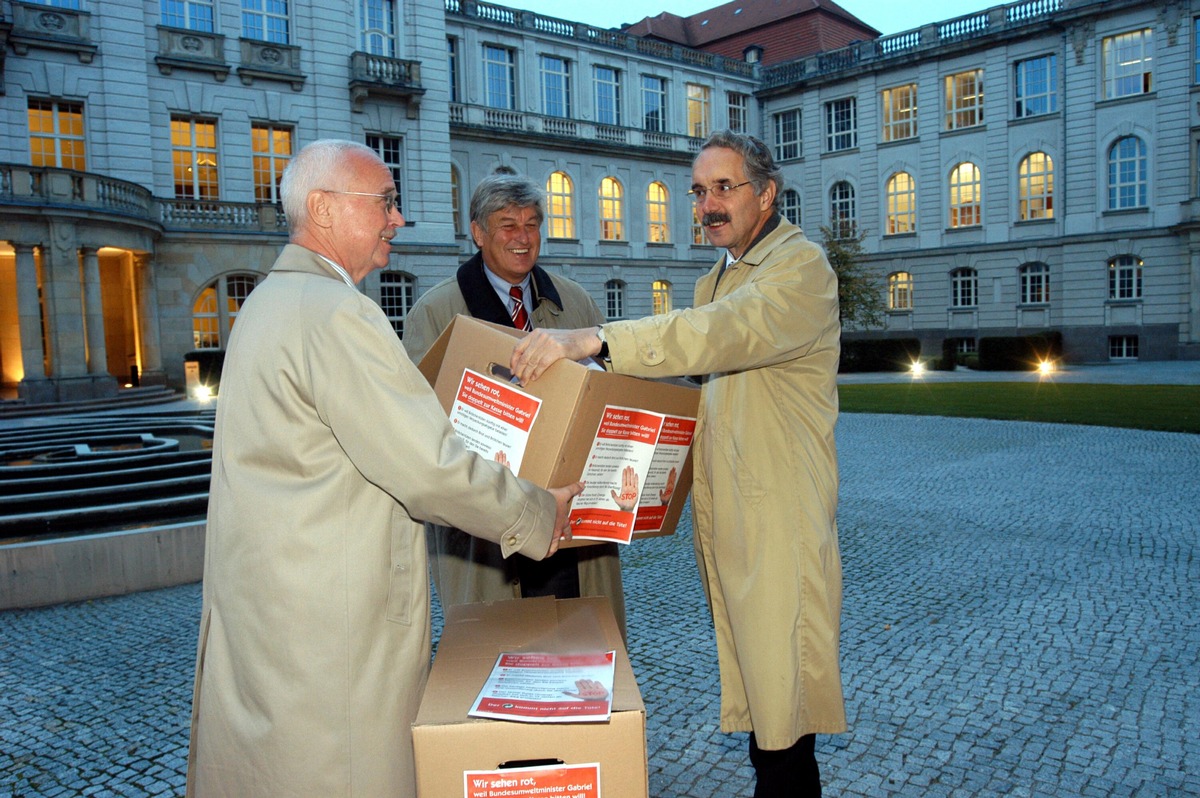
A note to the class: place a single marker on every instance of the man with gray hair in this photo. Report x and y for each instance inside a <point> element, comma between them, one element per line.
<point>330,450</point>
<point>764,331</point>
<point>502,283</point>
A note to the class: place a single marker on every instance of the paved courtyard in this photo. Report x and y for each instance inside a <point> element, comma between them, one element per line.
<point>1022,618</point>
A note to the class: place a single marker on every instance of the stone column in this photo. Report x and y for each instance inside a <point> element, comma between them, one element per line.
<point>93,313</point>
<point>29,315</point>
<point>149,342</point>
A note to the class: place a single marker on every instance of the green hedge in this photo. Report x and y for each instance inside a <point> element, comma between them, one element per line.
<point>211,361</point>
<point>884,354</point>
<point>1019,352</point>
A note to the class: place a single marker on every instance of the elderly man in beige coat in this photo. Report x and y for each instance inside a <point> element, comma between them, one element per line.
<point>507,211</point>
<point>764,331</point>
<point>330,451</point>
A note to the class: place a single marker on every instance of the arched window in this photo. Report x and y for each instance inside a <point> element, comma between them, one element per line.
<point>901,191</point>
<point>1035,283</point>
<point>658,211</point>
<point>843,216</point>
<point>456,200</point>
<point>964,288</point>
<point>216,307</point>
<point>697,229</point>
<point>965,196</point>
<point>1125,277</point>
<point>1127,174</point>
<point>560,206</point>
<point>1035,187</point>
<point>614,299</point>
<point>789,206</point>
<point>396,296</point>
<point>612,210</point>
<point>900,291</point>
<point>661,295</point>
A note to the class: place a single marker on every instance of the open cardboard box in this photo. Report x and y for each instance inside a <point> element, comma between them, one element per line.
<point>574,398</point>
<point>448,742</point>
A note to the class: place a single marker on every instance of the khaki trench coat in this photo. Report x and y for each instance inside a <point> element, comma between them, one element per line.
<point>765,487</point>
<point>466,569</point>
<point>314,636</point>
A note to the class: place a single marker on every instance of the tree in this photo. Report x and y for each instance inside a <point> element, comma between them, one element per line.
<point>860,298</point>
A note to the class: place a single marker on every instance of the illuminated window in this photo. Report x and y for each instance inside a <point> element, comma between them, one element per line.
<point>1035,187</point>
<point>216,308</point>
<point>698,110</point>
<point>658,211</point>
<point>899,112</point>
<point>964,99</point>
<point>900,291</point>
<point>965,194</point>
<point>661,296</point>
<point>396,294</point>
<point>194,158</point>
<point>612,210</point>
<point>272,148</point>
<point>560,206</point>
<point>456,200</point>
<point>901,191</point>
<point>697,228</point>
<point>56,134</point>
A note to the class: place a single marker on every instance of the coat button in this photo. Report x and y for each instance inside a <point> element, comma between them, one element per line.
<point>512,540</point>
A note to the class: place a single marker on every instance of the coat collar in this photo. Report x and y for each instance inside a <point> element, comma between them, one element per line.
<point>482,300</point>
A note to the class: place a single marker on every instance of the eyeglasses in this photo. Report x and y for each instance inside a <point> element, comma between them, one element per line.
<point>720,191</point>
<point>389,200</point>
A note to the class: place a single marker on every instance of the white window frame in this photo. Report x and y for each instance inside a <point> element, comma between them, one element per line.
<point>197,157</point>
<point>699,110</point>
<point>1035,283</point>
<point>900,291</point>
<point>966,196</point>
<point>841,124</point>
<point>614,300</point>
<point>964,99</point>
<point>789,142</point>
<point>843,209</point>
<point>658,213</point>
<point>1128,63</point>
<point>899,109</point>
<point>660,297</point>
<point>264,21</point>
<point>1128,181</point>
<point>267,164</point>
<point>560,205</point>
<point>612,209</point>
<point>555,74</point>
<point>1035,187</point>
<point>739,111</point>
<point>1035,86</point>
<point>1125,278</point>
<point>964,288</point>
<point>397,293</point>
<point>606,82</point>
<point>900,194</point>
<point>378,34</point>
<point>499,77</point>
<point>67,145</point>
<point>654,104</point>
<point>390,150</point>
<point>197,15</point>
<point>789,206</point>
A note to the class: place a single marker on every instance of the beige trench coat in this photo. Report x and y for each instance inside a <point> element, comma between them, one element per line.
<point>466,569</point>
<point>764,496</point>
<point>314,638</point>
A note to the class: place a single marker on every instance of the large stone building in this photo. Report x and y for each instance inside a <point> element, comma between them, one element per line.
<point>1029,167</point>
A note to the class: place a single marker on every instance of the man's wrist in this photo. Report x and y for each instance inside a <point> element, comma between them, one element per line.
<point>603,353</point>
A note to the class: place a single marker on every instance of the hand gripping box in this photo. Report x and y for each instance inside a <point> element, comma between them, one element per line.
<point>448,743</point>
<point>575,398</point>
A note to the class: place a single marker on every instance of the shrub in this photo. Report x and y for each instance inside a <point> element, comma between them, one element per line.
<point>1019,352</point>
<point>883,354</point>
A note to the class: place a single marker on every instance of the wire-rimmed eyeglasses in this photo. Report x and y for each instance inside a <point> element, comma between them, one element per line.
<point>389,200</point>
<point>720,191</point>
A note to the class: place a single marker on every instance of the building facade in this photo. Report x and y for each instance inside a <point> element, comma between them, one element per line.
<point>1032,167</point>
<point>143,144</point>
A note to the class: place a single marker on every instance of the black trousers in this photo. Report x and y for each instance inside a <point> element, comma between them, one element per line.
<point>790,773</point>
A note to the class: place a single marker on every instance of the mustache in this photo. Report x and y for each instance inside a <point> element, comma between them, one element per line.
<point>714,218</point>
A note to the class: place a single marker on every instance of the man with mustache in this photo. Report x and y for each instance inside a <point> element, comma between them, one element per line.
<point>764,334</point>
<point>506,212</point>
<point>330,450</point>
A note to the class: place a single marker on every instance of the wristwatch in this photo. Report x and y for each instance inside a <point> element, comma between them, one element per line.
<point>603,354</point>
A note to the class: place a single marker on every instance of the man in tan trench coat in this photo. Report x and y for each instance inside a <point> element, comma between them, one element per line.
<point>314,634</point>
<point>506,223</point>
<point>764,331</point>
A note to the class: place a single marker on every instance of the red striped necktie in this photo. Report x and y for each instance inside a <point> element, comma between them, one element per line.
<point>520,318</point>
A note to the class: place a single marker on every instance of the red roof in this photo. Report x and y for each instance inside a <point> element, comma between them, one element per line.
<point>784,29</point>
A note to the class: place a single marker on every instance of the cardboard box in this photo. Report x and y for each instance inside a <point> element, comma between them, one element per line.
<point>448,743</point>
<point>574,399</point>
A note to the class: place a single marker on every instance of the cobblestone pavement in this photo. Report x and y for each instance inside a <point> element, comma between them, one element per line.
<point>1021,619</point>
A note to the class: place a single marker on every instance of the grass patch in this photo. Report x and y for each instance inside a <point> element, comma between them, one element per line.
<point>1171,408</point>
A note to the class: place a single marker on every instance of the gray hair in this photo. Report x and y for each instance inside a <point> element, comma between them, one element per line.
<point>500,190</point>
<point>757,160</point>
<point>318,165</point>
